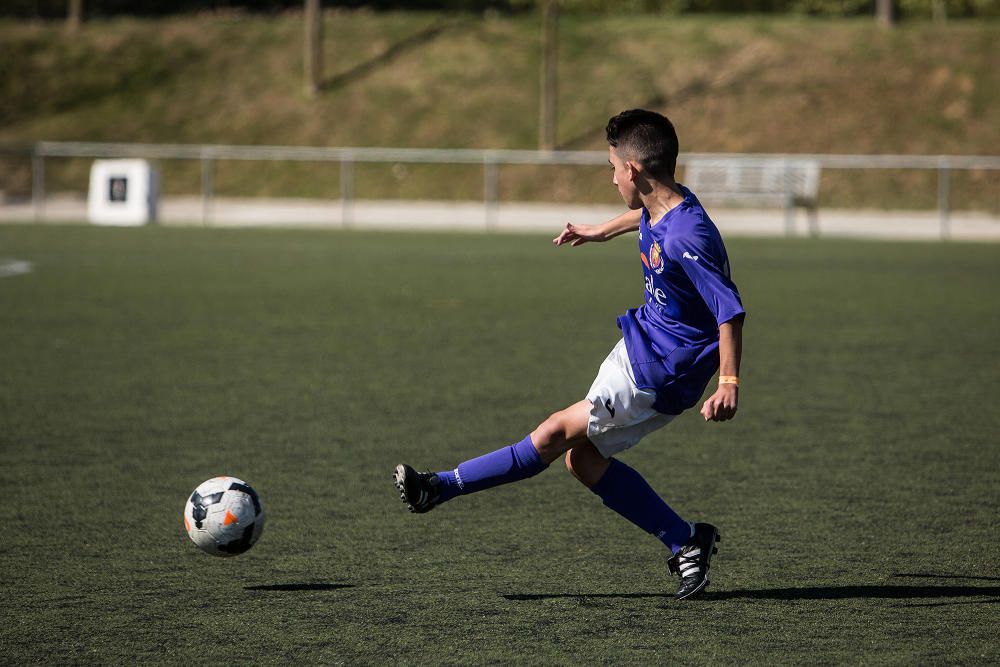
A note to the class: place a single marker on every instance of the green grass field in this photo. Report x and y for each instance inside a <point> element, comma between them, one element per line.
<point>857,491</point>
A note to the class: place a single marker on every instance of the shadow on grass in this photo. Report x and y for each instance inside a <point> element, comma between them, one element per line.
<point>804,593</point>
<point>932,575</point>
<point>698,87</point>
<point>297,587</point>
<point>858,592</point>
<point>385,58</point>
<point>521,597</point>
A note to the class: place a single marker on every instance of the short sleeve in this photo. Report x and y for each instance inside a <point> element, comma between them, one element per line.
<point>703,258</point>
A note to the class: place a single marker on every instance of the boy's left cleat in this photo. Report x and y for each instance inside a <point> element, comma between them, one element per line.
<point>419,490</point>
<point>692,562</point>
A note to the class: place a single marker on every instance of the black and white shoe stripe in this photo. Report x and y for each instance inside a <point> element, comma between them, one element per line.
<point>693,561</point>
<point>419,490</point>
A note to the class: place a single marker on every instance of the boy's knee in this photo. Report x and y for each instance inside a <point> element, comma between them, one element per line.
<point>561,431</point>
<point>549,437</point>
<point>549,431</point>
<point>555,431</point>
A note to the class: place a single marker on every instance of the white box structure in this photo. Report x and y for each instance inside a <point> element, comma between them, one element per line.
<point>122,192</point>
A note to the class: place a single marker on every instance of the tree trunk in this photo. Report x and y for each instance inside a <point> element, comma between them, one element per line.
<point>74,15</point>
<point>313,55</point>
<point>884,12</point>
<point>549,88</point>
<point>939,11</point>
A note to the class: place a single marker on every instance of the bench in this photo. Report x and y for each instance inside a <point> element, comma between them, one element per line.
<point>788,182</point>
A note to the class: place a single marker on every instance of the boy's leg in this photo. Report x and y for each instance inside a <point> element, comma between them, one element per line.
<point>620,487</point>
<point>553,437</point>
<point>625,491</point>
<point>620,414</point>
<point>561,431</point>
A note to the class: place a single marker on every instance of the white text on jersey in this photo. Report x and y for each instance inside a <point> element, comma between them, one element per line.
<point>655,292</point>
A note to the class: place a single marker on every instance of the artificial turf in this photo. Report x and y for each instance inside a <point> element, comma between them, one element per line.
<point>857,490</point>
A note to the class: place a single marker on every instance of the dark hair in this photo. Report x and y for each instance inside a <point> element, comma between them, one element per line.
<point>646,137</point>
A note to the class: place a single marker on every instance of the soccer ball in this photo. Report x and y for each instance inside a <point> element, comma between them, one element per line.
<point>224,516</point>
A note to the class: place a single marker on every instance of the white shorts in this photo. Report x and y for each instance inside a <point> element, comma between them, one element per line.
<point>621,414</point>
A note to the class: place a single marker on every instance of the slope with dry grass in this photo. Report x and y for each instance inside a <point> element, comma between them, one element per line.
<point>426,79</point>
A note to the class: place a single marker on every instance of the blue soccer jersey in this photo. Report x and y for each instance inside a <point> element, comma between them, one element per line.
<point>673,338</point>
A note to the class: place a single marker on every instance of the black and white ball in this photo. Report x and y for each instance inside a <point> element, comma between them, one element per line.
<point>224,516</point>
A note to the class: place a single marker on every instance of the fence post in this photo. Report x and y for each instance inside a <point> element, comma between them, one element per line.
<point>944,198</point>
<point>491,189</point>
<point>346,189</point>
<point>37,184</point>
<point>789,201</point>
<point>207,187</point>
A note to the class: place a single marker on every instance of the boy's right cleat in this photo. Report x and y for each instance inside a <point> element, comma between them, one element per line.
<point>419,490</point>
<point>692,562</point>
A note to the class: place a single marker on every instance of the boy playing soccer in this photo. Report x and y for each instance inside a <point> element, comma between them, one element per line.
<point>689,326</point>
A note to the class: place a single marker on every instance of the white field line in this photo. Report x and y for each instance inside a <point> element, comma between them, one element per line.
<point>14,267</point>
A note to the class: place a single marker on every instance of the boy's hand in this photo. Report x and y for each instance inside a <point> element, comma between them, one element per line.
<point>721,406</point>
<point>579,234</point>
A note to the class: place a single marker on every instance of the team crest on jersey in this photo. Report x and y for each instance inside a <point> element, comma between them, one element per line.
<point>656,258</point>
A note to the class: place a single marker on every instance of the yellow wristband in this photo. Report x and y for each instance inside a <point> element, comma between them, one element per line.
<point>729,379</point>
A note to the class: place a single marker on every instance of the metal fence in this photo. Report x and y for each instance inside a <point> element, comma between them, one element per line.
<point>490,160</point>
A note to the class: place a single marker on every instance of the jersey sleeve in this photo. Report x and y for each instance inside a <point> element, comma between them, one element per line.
<point>704,260</point>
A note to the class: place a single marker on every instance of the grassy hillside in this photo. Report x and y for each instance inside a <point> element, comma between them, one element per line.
<point>426,79</point>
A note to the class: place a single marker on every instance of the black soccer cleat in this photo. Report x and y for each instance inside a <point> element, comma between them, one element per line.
<point>419,490</point>
<point>691,563</point>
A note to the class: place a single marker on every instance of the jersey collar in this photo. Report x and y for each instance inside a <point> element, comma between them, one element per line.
<point>686,202</point>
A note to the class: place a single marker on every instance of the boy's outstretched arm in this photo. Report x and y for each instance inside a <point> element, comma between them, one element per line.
<point>721,405</point>
<point>579,234</point>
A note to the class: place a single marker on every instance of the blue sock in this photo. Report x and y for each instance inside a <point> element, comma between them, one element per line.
<point>508,464</point>
<point>626,492</point>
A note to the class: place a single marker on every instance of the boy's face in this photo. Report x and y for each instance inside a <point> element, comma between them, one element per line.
<point>623,175</point>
